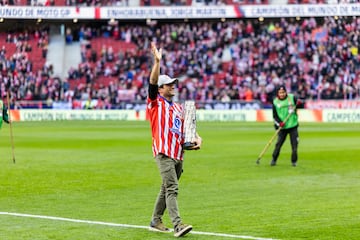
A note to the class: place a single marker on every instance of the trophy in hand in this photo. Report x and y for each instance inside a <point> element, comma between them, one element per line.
<point>189,124</point>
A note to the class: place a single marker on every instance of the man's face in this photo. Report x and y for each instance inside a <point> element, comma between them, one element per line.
<point>167,90</point>
<point>281,93</point>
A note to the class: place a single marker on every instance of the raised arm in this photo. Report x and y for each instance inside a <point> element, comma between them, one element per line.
<point>155,71</point>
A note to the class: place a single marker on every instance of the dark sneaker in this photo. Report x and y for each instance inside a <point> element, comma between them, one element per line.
<point>182,229</point>
<point>158,227</point>
<point>273,163</point>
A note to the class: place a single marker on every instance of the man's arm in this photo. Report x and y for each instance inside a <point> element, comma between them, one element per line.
<point>198,142</point>
<point>155,71</point>
<point>298,102</point>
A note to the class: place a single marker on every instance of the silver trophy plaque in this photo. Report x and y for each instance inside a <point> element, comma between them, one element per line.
<point>189,124</point>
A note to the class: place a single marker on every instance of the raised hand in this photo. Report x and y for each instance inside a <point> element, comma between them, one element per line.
<point>157,53</point>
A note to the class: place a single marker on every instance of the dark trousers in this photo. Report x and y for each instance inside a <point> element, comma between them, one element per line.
<point>294,140</point>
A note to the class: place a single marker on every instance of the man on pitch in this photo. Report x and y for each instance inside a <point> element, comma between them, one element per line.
<point>284,107</point>
<point>167,128</point>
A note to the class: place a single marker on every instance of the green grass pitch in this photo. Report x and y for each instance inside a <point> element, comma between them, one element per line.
<point>104,171</point>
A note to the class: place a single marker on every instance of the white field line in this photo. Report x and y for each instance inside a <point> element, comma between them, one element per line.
<point>125,225</point>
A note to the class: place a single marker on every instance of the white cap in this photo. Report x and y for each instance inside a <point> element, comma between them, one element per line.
<point>165,79</point>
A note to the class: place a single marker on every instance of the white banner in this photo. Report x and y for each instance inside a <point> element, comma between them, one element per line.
<point>30,12</point>
<point>168,12</point>
<point>60,115</point>
<point>300,10</point>
<point>226,115</point>
<point>332,104</point>
<point>179,12</point>
<point>341,115</point>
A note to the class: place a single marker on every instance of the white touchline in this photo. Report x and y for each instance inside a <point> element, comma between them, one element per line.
<point>125,225</point>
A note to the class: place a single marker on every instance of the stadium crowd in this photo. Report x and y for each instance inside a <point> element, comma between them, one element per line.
<point>240,60</point>
<point>223,61</point>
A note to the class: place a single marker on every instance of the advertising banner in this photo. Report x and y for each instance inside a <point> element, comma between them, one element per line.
<point>300,10</point>
<point>169,12</point>
<point>31,12</point>
<point>344,115</point>
<point>62,115</point>
<point>180,12</point>
<point>333,104</point>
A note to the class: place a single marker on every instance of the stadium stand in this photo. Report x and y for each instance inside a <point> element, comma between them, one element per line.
<point>262,55</point>
<point>242,59</point>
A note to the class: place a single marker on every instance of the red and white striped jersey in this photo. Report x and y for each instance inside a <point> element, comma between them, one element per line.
<point>166,120</point>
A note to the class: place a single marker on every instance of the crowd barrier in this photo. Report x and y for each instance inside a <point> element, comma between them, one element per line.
<point>305,115</point>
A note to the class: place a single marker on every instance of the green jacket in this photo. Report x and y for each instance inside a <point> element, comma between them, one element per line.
<point>281,109</point>
<point>4,113</point>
